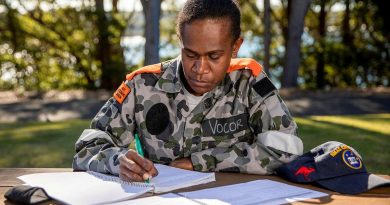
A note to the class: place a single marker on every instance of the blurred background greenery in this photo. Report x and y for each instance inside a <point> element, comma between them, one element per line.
<point>63,45</point>
<point>60,44</point>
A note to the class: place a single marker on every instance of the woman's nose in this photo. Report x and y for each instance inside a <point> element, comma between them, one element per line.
<point>201,66</point>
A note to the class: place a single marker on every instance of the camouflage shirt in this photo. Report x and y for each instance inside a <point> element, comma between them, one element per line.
<point>241,126</point>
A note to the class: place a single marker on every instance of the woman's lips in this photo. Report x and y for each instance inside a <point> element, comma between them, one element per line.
<point>198,83</point>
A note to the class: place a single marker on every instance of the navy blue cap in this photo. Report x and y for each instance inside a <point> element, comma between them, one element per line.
<point>332,165</point>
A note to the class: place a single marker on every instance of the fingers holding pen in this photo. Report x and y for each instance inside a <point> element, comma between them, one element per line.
<point>144,163</point>
<point>129,170</point>
<point>133,167</point>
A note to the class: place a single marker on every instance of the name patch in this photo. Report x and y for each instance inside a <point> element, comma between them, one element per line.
<point>338,149</point>
<point>225,126</point>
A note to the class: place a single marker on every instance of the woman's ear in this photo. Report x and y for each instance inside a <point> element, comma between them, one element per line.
<point>236,46</point>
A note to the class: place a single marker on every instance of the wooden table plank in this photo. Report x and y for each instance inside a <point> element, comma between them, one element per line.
<point>380,195</point>
<point>8,176</point>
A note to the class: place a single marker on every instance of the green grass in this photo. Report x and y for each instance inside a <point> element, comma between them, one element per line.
<point>52,144</point>
<point>39,144</point>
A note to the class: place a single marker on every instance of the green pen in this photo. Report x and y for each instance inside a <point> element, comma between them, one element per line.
<point>138,147</point>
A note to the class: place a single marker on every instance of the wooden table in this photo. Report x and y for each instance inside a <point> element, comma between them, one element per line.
<point>380,195</point>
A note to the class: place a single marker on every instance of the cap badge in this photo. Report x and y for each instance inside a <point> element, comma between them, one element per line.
<point>352,160</point>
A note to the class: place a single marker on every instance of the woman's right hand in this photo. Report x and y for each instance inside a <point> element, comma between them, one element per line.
<point>135,168</point>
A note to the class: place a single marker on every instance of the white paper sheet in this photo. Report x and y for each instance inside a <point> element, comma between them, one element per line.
<point>170,199</point>
<point>254,192</point>
<point>171,178</point>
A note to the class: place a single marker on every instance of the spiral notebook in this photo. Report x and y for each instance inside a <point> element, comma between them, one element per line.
<point>96,188</point>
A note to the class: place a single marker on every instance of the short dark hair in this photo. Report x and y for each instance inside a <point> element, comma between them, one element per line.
<point>210,9</point>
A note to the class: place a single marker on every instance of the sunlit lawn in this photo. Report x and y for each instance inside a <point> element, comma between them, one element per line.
<point>52,144</point>
<point>39,144</point>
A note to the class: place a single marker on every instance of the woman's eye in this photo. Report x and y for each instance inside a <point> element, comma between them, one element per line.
<point>214,57</point>
<point>191,56</point>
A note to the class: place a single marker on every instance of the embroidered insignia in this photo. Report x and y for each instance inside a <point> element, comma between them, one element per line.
<point>121,93</point>
<point>305,171</point>
<point>352,160</point>
<point>338,149</point>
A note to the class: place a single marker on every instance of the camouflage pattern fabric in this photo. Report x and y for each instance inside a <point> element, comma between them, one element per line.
<point>233,128</point>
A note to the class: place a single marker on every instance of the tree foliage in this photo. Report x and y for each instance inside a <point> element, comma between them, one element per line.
<point>355,45</point>
<point>45,45</point>
<point>56,47</point>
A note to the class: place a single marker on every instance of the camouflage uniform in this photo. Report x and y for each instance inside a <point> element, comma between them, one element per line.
<point>241,126</point>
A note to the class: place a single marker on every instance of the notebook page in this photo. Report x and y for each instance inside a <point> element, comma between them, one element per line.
<point>171,178</point>
<point>82,187</point>
<point>254,192</point>
<point>168,178</point>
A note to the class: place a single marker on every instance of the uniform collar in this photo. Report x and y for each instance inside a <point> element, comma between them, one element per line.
<point>170,80</point>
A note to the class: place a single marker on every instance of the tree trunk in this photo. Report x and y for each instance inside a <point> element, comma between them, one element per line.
<point>267,35</point>
<point>115,6</point>
<point>104,48</point>
<point>296,18</point>
<point>320,77</point>
<point>347,37</point>
<point>12,26</point>
<point>287,9</point>
<point>152,9</point>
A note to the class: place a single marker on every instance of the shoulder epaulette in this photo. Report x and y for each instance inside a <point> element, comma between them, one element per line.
<point>245,63</point>
<point>123,90</point>
<point>155,68</point>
